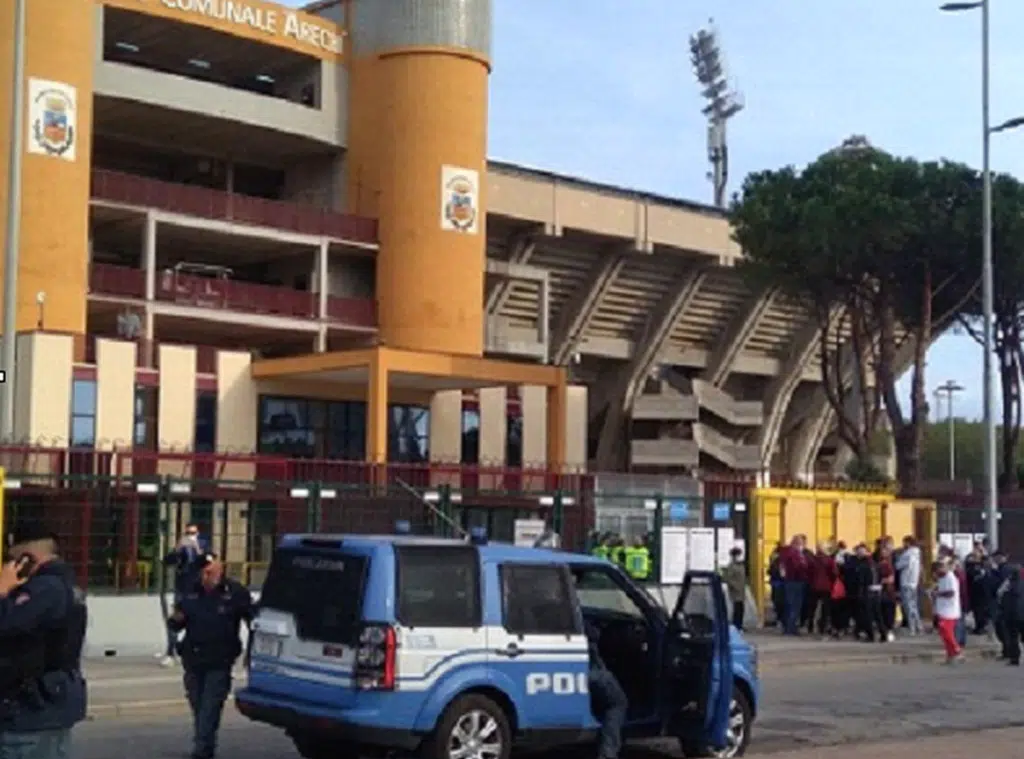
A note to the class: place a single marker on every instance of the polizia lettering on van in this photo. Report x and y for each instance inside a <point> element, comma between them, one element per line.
<point>557,683</point>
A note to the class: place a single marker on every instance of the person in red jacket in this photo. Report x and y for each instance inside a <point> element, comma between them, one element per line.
<point>793,566</point>
<point>823,573</point>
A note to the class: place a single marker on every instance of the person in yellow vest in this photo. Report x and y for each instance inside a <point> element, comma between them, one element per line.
<point>638,560</point>
<point>601,548</point>
<point>618,551</point>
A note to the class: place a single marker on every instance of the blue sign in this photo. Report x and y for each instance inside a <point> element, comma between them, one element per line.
<point>678,511</point>
<point>720,512</point>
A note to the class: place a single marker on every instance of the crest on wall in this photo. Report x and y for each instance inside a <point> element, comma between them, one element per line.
<point>52,119</point>
<point>460,200</point>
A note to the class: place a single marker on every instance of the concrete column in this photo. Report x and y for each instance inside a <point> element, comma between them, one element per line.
<point>322,279</point>
<point>377,411</point>
<point>149,256</point>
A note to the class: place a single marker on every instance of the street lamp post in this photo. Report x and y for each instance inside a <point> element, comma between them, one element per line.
<point>12,240</point>
<point>987,283</point>
<point>949,389</point>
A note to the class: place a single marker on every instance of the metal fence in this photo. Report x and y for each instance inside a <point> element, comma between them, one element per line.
<point>966,514</point>
<point>115,530</point>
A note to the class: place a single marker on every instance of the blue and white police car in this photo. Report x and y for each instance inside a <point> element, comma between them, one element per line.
<point>381,645</point>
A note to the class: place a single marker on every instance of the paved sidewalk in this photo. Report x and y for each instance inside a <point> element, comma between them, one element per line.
<point>992,744</point>
<point>776,651</point>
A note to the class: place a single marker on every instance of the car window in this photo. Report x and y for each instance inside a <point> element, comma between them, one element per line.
<point>323,591</point>
<point>598,591</point>
<point>438,587</point>
<point>537,599</point>
<point>698,608</point>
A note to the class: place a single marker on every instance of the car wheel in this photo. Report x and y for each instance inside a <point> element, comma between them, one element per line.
<point>312,747</point>
<point>737,735</point>
<point>472,727</point>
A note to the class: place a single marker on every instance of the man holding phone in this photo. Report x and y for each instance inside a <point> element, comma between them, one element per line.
<point>42,632</point>
<point>185,559</point>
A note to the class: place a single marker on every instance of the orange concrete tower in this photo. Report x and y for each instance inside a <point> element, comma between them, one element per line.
<point>417,156</point>
<point>60,52</point>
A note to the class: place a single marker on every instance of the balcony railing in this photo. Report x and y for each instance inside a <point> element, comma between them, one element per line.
<point>232,295</point>
<point>147,352</point>
<point>229,295</point>
<point>118,281</point>
<point>216,205</point>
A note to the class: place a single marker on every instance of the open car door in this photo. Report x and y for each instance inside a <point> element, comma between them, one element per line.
<point>697,663</point>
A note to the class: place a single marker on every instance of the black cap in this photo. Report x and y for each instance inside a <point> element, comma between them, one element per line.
<point>205,560</point>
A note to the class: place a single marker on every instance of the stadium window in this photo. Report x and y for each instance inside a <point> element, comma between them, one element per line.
<point>514,440</point>
<point>206,423</point>
<point>470,436</point>
<point>83,413</point>
<point>408,434</point>
<point>146,432</point>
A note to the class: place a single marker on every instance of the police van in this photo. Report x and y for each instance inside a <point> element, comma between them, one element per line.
<point>367,645</point>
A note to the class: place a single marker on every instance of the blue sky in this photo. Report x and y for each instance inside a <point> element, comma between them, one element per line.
<point>603,89</point>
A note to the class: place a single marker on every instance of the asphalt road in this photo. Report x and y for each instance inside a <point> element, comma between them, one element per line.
<point>800,709</point>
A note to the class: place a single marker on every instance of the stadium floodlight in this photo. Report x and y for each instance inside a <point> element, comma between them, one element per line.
<point>723,102</point>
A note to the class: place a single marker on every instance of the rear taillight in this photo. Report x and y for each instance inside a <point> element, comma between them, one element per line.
<point>375,658</point>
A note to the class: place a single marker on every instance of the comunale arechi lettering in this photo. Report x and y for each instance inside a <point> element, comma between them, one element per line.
<point>282,23</point>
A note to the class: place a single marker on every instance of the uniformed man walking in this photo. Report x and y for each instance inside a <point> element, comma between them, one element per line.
<point>210,614</point>
<point>42,631</point>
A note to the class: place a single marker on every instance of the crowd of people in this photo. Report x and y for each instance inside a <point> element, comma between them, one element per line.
<point>872,594</point>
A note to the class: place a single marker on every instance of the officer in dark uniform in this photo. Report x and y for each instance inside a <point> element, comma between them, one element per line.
<point>211,614</point>
<point>608,701</point>
<point>42,632</point>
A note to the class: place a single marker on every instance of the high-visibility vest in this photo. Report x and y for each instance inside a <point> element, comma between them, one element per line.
<point>600,551</point>
<point>618,555</point>
<point>638,562</point>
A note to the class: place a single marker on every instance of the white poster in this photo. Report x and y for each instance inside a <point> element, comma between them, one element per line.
<point>946,539</point>
<point>526,531</point>
<point>963,544</point>
<point>674,545</point>
<point>460,200</point>
<point>702,549</point>
<point>52,119</point>
<point>741,544</point>
<point>726,542</point>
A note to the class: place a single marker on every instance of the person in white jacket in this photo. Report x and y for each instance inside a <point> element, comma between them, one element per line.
<point>908,567</point>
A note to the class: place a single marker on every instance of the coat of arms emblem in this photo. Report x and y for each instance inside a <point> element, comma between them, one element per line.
<point>53,128</point>
<point>460,203</point>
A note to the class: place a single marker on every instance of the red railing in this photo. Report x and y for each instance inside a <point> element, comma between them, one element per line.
<point>360,312</point>
<point>229,295</point>
<point>232,295</point>
<point>119,281</point>
<point>147,352</point>
<point>129,189</point>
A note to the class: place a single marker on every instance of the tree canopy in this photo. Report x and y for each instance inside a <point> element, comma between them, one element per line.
<point>886,253</point>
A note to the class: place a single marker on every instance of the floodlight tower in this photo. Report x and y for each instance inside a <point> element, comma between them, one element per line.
<point>723,102</point>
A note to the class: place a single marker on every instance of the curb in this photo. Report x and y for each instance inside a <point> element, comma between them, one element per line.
<point>922,657</point>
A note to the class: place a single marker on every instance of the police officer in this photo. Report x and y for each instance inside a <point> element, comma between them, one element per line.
<point>42,631</point>
<point>601,549</point>
<point>210,613</point>
<point>638,560</point>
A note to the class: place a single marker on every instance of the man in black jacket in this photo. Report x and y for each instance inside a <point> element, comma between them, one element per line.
<point>210,613</point>
<point>608,701</point>
<point>42,631</point>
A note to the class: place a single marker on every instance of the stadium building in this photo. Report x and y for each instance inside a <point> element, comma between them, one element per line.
<point>248,228</point>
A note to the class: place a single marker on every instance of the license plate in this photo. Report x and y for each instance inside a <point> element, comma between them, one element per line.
<point>265,645</point>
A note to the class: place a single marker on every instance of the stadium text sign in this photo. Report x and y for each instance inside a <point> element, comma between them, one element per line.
<point>274,21</point>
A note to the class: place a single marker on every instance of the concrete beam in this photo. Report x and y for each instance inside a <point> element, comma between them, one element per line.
<point>521,246</point>
<point>782,386</point>
<point>729,347</point>
<point>649,349</point>
<point>577,313</point>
